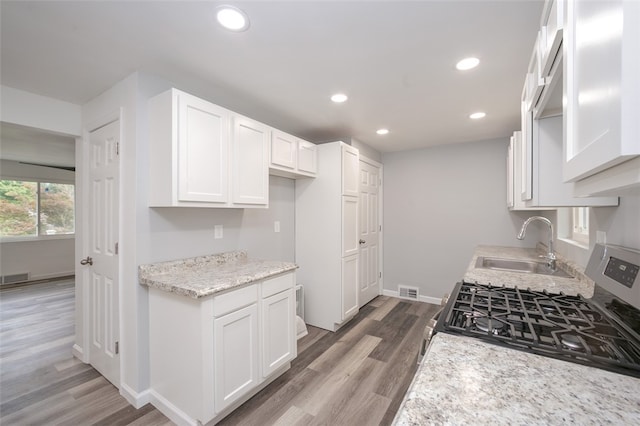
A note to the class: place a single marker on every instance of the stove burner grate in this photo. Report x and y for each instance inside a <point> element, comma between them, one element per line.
<point>555,325</point>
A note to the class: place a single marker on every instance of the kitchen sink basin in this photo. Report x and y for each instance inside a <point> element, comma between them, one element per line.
<point>514,265</point>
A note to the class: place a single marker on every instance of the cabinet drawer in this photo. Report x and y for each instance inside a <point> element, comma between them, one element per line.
<point>276,285</point>
<point>235,300</point>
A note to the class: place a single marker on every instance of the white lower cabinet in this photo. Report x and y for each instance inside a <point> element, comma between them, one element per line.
<point>349,286</point>
<point>278,343</point>
<point>209,355</point>
<point>235,354</point>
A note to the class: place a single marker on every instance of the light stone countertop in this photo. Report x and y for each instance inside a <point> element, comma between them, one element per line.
<point>463,380</point>
<point>203,276</point>
<point>571,286</point>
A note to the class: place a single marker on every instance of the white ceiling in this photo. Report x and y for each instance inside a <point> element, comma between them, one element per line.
<point>395,60</point>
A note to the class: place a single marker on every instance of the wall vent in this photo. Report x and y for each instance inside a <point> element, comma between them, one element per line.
<point>405,292</point>
<point>14,278</point>
<point>300,301</point>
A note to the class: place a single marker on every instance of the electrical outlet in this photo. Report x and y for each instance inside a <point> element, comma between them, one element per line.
<point>217,232</point>
<point>276,226</point>
<point>601,237</point>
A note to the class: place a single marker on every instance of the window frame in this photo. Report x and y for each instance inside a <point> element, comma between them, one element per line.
<point>580,225</point>
<point>39,236</point>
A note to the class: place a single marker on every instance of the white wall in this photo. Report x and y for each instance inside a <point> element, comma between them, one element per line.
<point>39,112</point>
<point>439,204</point>
<point>175,233</point>
<point>42,259</point>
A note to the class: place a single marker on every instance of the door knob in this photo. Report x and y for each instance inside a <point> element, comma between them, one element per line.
<point>362,241</point>
<point>87,261</point>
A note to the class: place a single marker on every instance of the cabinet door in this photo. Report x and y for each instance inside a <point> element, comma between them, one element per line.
<point>350,171</point>
<point>601,41</point>
<point>283,150</point>
<point>350,244</point>
<point>235,355</point>
<point>278,331</point>
<point>551,35</point>
<point>510,175</point>
<point>203,143</point>
<point>307,157</point>
<point>349,286</point>
<point>249,162</point>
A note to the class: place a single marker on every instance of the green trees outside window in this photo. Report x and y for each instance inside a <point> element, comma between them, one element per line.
<point>36,208</point>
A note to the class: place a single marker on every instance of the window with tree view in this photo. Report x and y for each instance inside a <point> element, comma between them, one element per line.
<point>29,209</point>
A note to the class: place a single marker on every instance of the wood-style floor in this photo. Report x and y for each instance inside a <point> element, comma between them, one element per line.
<point>356,376</point>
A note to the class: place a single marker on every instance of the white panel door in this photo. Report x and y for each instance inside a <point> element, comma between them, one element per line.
<point>250,162</point>
<point>369,224</point>
<point>349,286</point>
<point>203,156</point>
<point>349,226</point>
<point>235,346</point>
<point>278,334</point>
<point>102,260</point>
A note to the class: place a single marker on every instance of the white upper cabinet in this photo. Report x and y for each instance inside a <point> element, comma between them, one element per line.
<point>545,182</point>
<point>292,157</point>
<point>307,158</point>
<point>601,69</point>
<point>515,174</point>
<point>284,149</point>
<point>189,144</point>
<point>250,162</point>
<point>350,171</point>
<point>550,35</point>
<point>203,155</point>
<point>534,81</point>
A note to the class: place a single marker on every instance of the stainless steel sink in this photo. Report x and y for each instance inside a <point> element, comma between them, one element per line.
<point>514,265</point>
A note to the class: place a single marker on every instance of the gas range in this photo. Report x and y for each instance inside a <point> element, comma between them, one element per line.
<point>602,332</point>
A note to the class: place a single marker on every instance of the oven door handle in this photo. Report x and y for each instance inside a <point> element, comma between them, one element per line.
<point>428,332</point>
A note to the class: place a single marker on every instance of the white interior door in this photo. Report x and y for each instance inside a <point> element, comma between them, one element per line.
<point>102,256</point>
<point>369,233</point>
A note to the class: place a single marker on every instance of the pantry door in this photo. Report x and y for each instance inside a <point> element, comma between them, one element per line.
<point>370,229</point>
<point>102,253</point>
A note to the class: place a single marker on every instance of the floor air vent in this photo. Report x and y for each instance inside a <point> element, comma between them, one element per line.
<point>405,292</point>
<point>14,278</point>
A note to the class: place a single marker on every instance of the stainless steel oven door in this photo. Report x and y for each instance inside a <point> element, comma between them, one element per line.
<point>429,329</point>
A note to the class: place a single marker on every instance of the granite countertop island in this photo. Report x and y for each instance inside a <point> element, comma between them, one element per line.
<point>462,380</point>
<point>203,276</point>
<point>468,381</point>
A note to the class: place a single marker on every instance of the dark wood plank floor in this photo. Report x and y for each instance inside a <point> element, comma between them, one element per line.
<point>356,376</point>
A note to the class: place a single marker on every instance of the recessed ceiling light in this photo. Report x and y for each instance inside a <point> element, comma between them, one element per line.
<point>382,131</point>
<point>339,98</point>
<point>477,115</point>
<point>467,64</point>
<point>232,18</point>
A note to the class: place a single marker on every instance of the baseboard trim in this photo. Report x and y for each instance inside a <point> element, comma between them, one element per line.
<point>425,299</point>
<point>137,399</point>
<point>78,352</point>
<point>174,414</point>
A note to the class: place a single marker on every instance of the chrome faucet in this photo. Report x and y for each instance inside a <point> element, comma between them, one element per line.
<point>551,257</point>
